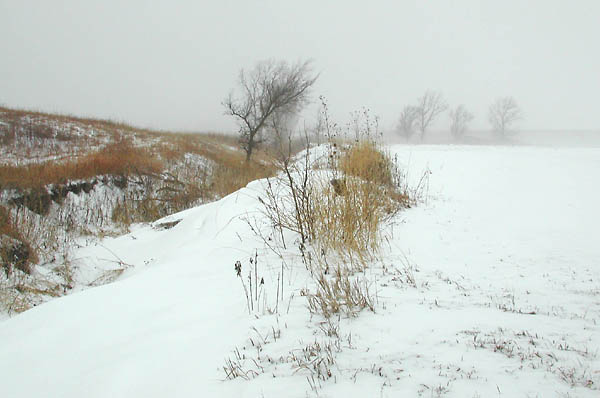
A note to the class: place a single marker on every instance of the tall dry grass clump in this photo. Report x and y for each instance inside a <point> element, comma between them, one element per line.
<point>348,223</point>
<point>340,294</point>
<point>367,161</point>
<point>338,212</point>
<point>348,213</point>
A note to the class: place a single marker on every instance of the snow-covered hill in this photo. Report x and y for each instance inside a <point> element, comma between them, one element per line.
<point>67,181</point>
<point>489,287</point>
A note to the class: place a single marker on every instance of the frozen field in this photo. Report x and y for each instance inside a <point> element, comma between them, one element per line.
<point>489,287</point>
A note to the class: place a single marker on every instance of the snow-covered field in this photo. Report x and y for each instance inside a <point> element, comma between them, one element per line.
<point>490,287</point>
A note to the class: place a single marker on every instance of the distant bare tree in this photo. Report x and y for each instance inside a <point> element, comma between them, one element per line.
<point>406,122</point>
<point>272,88</point>
<point>460,118</point>
<point>429,106</point>
<point>503,114</point>
<point>280,128</point>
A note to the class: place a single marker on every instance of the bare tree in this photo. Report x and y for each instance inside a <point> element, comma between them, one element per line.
<point>429,106</point>
<point>503,114</point>
<point>272,88</point>
<point>460,118</point>
<point>280,128</point>
<point>406,122</point>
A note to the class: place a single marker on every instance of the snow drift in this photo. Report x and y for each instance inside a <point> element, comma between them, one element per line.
<point>488,287</point>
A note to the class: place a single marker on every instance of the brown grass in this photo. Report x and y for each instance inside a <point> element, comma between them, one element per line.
<point>342,217</point>
<point>11,114</point>
<point>368,162</point>
<point>233,172</point>
<point>340,294</point>
<point>118,159</point>
<point>8,228</point>
<point>230,170</point>
<point>347,214</point>
<point>6,225</point>
<point>349,224</point>
<point>123,158</point>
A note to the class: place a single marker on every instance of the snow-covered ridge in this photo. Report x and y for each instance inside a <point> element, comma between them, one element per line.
<point>67,181</point>
<point>489,288</point>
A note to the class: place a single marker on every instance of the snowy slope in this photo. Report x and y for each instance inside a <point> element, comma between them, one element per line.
<point>489,288</point>
<point>508,233</point>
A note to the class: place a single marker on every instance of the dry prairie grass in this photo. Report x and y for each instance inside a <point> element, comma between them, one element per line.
<point>8,228</point>
<point>15,115</point>
<point>6,225</point>
<point>161,153</point>
<point>230,170</point>
<point>348,213</point>
<point>368,162</point>
<point>340,218</point>
<point>340,294</point>
<point>233,172</point>
<point>346,219</point>
<point>118,159</point>
<point>348,224</point>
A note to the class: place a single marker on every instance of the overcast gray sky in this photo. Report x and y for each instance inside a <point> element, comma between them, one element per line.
<point>169,64</point>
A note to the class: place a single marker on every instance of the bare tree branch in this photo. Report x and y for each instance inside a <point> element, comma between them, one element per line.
<point>270,89</point>
<point>406,121</point>
<point>460,118</point>
<point>503,114</point>
<point>429,106</point>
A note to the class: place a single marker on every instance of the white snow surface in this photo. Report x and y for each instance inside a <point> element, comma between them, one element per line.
<point>504,254</point>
